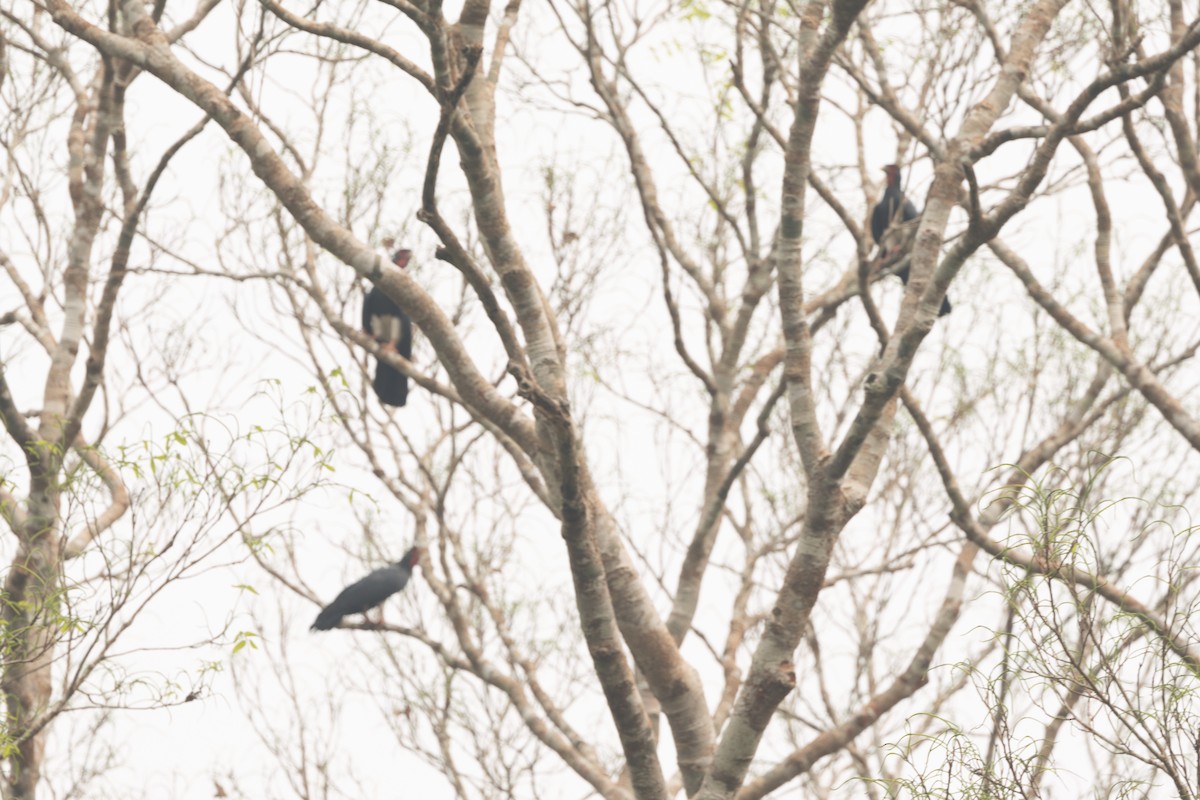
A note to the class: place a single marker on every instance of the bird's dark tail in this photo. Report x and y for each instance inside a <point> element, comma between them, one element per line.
<point>326,620</point>
<point>391,385</point>
<point>902,274</point>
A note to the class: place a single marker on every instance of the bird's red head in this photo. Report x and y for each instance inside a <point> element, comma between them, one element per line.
<point>400,257</point>
<point>412,557</point>
<point>893,174</point>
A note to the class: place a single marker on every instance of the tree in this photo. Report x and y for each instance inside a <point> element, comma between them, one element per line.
<point>832,629</point>
<point>81,569</point>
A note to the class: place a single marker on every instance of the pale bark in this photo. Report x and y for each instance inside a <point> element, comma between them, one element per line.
<point>672,680</point>
<point>1124,361</point>
<point>716,327</point>
<point>150,51</point>
<point>838,486</point>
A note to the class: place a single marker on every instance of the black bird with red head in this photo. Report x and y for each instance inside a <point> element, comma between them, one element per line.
<point>387,323</point>
<point>895,208</point>
<point>371,591</point>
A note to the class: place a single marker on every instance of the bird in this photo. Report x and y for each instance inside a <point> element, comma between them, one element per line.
<point>385,322</point>
<point>894,204</point>
<point>361,596</point>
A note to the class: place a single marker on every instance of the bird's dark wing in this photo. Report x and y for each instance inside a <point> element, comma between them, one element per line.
<point>378,304</point>
<point>885,210</point>
<point>404,345</point>
<point>385,322</point>
<point>881,216</point>
<point>362,596</point>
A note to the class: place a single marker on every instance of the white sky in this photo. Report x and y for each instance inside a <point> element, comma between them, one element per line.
<point>176,752</point>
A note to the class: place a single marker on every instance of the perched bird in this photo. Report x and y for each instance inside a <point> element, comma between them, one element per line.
<point>384,321</point>
<point>895,207</point>
<point>371,591</point>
